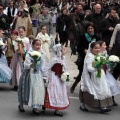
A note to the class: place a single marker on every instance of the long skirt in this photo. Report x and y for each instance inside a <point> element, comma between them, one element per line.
<point>31,90</point>
<point>89,100</point>
<point>17,68</point>
<point>47,103</point>
<point>24,88</point>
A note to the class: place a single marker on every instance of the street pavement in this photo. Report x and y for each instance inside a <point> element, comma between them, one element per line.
<point>9,103</point>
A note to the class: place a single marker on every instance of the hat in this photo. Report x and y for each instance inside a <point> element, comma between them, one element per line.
<point>14,32</point>
<point>32,36</point>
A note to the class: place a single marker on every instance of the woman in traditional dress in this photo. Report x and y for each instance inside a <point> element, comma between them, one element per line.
<point>114,86</point>
<point>56,91</point>
<point>94,92</point>
<point>45,41</point>
<point>5,71</point>
<point>23,18</point>
<point>36,11</point>
<point>31,90</point>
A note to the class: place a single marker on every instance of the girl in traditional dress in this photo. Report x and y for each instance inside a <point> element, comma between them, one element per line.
<point>94,92</point>
<point>114,86</point>
<point>45,41</point>
<point>22,35</point>
<point>16,62</point>
<point>5,71</point>
<point>18,58</point>
<point>31,90</point>
<point>56,92</point>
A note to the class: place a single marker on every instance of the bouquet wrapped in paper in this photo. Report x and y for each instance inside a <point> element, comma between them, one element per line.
<point>20,47</point>
<point>98,63</point>
<point>113,61</point>
<point>65,77</point>
<point>36,56</point>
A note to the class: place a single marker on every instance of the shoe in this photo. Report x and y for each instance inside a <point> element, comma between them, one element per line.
<point>114,103</point>
<point>103,110</point>
<point>43,108</point>
<point>57,113</point>
<point>71,90</point>
<point>83,108</point>
<point>15,87</point>
<point>35,111</point>
<point>21,109</point>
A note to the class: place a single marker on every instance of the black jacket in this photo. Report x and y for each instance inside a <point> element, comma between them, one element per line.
<point>4,23</point>
<point>96,19</point>
<point>104,28</point>
<point>61,21</point>
<point>84,44</point>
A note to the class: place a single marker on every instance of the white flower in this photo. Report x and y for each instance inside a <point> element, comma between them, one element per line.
<point>114,58</point>
<point>98,58</point>
<point>35,53</point>
<point>64,76</point>
<point>1,43</point>
<point>19,39</point>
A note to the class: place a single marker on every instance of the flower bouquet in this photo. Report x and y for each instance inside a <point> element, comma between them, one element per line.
<point>98,63</point>
<point>36,56</point>
<point>65,77</point>
<point>20,47</point>
<point>113,60</point>
<point>1,43</point>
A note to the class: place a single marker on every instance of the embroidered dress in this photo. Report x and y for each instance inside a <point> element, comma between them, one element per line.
<point>16,62</point>
<point>45,45</point>
<point>56,92</point>
<point>5,71</point>
<point>95,92</point>
<point>31,90</point>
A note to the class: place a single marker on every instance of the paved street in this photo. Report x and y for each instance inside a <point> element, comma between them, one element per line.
<point>9,103</point>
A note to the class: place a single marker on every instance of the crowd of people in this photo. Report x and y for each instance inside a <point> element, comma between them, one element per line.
<point>91,29</point>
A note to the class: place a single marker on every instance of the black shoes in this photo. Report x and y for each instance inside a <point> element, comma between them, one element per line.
<point>36,112</point>
<point>103,110</point>
<point>83,108</point>
<point>57,113</point>
<point>21,109</point>
<point>114,103</point>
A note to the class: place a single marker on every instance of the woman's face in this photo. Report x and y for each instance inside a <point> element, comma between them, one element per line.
<point>103,47</point>
<point>90,30</point>
<point>43,30</point>
<point>13,36</point>
<point>21,32</point>
<point>65,12</point>
<point>96,49</point>
<point>37,45</point>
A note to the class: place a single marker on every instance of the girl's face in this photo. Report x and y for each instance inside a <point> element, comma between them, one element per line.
<point>21,32</point>
<point>13,36</point>
<point>90,30</point>
<point>103,47</point>
<point>22,3</point>
<point>37,45</point>
<point>44,29</point>
<point>96,49</point>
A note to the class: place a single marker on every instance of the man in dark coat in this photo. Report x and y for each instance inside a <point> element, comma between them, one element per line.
<point>108,25</point>
<point>4,24</point>
<point>96,17</point>
<point>62,26</point>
